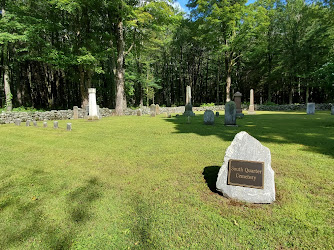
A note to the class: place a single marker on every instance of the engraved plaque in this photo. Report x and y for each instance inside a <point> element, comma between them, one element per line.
<point>245,173</point>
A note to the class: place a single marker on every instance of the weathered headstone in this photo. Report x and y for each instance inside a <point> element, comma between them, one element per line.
<point>169,116</point>
<point>86,111</point>
<point>217,113</point>
<point>75,112</point>
<point>157,109</point>
<point>230,114</point>
<point>332,110</point>
<point>69,127</point>
<point>209,117</point>
<point>28,123</point>
<point>98,111</point>
<point>246,174</point>
<point>139,112</point>
<point>188,119</point>
<point>92,105</point>
<point>152,110</point>
<point>45,124</point>
<point>310,108</point>
<point>251,110</point>
<point>55,124</point>
<point>35,123</point>
<point>17,122</point>
<point>189,107</point>
<point>237,100</point>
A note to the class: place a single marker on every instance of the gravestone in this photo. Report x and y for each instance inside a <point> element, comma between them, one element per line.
<point>92,115</point>
<point>139,112</point>
<point>246,174</point>
<point>189,107</point>
<point>75,112</point>
<point>17,122</point>
<point>35,123</point>
<point>98,111</point>
<point>251,110</point>
<point>188,119</point>
<point>28,123</point>
<point>237,100</point>
<point>69,127</point>
<point>332,110</point>
<point>45,124</point>
<point>230,114</point>
<point>217,114</point>
<point>209,117</point>
<point>86,111</point>
<point>152,110</point>
<point>55,124</point>
<point>157,109</point>
<point>310,108</point>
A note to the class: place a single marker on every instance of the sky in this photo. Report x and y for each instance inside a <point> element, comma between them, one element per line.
<point>184,2</point>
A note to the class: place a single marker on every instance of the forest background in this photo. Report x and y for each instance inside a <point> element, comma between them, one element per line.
<point>137,52</point>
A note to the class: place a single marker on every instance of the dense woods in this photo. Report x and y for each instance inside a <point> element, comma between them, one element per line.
<point>138,52</point>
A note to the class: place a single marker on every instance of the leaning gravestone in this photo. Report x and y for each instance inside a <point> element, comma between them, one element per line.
<point>246,174</point>
<point>209,117</point>
<point>332,110</point>
<point>310,108</point>
<point>230,114</point>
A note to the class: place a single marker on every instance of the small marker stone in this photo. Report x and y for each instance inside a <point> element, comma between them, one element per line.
<point>28,123</point>
<point>45,124</point>
<point>35,123</point>
<point>69,126</point>
<point>18,122</point>
<point>55,124</point>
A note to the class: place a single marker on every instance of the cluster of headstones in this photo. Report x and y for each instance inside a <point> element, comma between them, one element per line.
<point>45,124</point>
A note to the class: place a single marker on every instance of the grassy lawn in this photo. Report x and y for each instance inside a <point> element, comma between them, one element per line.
<point>143,182</point>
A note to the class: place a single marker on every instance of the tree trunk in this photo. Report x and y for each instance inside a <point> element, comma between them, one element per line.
<point>8,93</point>
<point>228,68</point>
<point>120,97</point>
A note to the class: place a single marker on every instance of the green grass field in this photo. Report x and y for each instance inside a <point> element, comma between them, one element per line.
<point>143,182</point>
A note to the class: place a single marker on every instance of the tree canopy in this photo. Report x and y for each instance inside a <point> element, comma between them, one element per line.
<point>138,52</point>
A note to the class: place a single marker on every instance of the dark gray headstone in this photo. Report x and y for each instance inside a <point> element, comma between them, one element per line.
<point>217,113</point>
<point>209,117</point>
<point>246,148</point>
<point>188,110</point>
<point>230,114</point>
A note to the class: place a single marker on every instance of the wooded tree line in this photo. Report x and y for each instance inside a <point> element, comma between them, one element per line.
<point>138,52</point>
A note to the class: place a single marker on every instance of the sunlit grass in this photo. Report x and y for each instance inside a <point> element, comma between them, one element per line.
<point>144,182</point>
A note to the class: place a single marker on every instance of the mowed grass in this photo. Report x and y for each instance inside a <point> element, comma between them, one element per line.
<point>143,182</point>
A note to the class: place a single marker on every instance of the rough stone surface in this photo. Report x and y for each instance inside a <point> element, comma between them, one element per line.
<point>310,108</point>
<point>69,127</point>
<point>55,124</point>
<point>246,147</point>
<point>209,117</point>
<point>332,110</point>
<point>230,114</point>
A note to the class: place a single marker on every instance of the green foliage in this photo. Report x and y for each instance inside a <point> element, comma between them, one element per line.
<point>207,104</point>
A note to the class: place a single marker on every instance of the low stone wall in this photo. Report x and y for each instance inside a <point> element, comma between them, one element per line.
<point>9,117</point>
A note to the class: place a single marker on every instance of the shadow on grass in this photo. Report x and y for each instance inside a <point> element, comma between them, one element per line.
<point>30,225</point>
<point>316,132</point>
<point>210,174</point>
